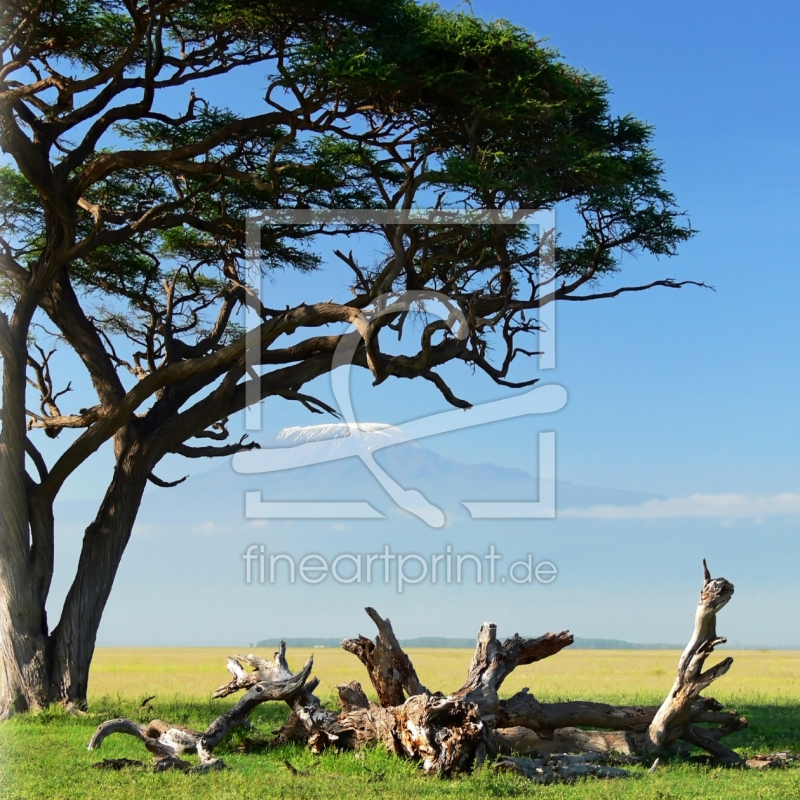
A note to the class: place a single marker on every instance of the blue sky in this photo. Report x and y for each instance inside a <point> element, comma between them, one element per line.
<point>671,393</point>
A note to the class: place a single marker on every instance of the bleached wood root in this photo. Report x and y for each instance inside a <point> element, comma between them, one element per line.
<point>546,728</point>
<point>273,672</point>
<point>168,742</point>
<point>160,738</point>
<point>446,735</point>
<point>493,662</point>
<point>352,697</point>
<point>671,721</point>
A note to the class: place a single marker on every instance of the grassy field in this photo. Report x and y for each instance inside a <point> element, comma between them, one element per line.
<point>44,755</point>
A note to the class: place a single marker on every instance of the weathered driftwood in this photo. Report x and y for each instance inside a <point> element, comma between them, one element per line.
<point>272,672</point>
<point>168,741</point>
<point>522,723</point>
<point>352,697</point>
<point>528,726</point>
<point>449,734</point>
<point>493,662</point>
<point>671,721</point>
<point>275,670</point>
<point>389,668</point>
<point>446,734</point>
<point>162,739</point>
<point>523,710</point>
<point>524,741</point>
<point>560,768</point>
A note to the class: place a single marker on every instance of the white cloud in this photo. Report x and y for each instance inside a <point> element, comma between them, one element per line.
<point>725,506</point>
<point>206,527</point>
<point>139,528</point>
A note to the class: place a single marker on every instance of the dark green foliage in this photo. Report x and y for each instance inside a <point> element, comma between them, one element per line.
<point>497,119</point>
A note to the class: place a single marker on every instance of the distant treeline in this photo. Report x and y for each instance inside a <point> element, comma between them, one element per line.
<point>469,643</point>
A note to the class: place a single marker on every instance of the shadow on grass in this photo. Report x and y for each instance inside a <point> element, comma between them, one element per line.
<point>771,726</point>
<point>191,713</point>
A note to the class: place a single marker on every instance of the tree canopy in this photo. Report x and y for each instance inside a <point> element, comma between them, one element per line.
<point>124,229</point>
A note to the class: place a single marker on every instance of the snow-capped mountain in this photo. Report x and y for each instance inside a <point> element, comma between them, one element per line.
<point>373,433</point>
<point>332,461</point>
<point>339,462</point>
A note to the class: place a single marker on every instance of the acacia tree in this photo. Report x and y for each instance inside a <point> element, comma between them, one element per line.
<point>124,238</point>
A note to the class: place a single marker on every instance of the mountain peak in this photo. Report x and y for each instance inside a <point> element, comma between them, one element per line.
<point>371,434</point>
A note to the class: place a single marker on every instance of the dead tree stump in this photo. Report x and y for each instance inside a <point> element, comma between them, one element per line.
<point>673,719</point>
<point>390,670</point>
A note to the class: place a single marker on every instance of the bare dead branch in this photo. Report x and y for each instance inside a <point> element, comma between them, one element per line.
<point>675,712</point>
<point>390,669</point>
<point>54,424</point>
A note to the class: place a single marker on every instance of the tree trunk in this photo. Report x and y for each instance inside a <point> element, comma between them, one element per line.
<point>23,641</point>
<point>23,627</point>
<point>24,681</point>
<point>72,642</point>
<point>39,668</point>
<point>24,585</point>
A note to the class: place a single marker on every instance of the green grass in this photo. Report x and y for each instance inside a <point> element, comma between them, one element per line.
<point>44,755</point>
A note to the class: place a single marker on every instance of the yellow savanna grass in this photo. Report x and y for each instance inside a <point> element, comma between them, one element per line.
<point>611,675</point>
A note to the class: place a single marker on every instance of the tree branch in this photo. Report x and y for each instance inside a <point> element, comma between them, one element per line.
<point>214,451</point>
<point>165,484</point>
<point>37,458</point>
<point>34,454</point>
<point>668,282</point>
<point>439,382</point>
<point>56,423</point>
